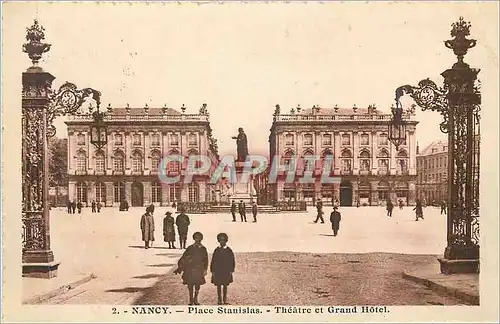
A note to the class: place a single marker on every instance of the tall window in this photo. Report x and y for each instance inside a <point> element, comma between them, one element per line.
<point>382,139</point>
<point>402,161</point>
<point>136,162</point>
<point>118,139</point>
<point>192,140</point>
<point>81,192</point>
<point>80,139</point>
<point>364,162</point>
<point>308,161</point>
<point>155,140</point>
<point>118,161</point>
<point>287,158</point>
<point>174,192</point>
<point>289,140</point>
<point>136,139</point>
<point>173,166</point>
<point>346,139</point>
<point>155,161</point>
<point>346,162</point>
<point>156,192</point>
<point>365,139</point>
<point>174,139</point>
<point>327,140</point>
<point>99,162</point>
<point>100,192</point>
<point>383,164</point>
<point>193,192</point>
<point>119,192</point>
<point>81,161</point>
<point>308,140</point>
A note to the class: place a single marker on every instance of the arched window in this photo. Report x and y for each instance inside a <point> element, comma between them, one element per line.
<point>100,162</point>
<point>173,166</point>
<point>383,153</point>
<point>81,161</point>
<point>193,192</point>
<point>136,161</point>
<point>156,192</point>
<point>308,158</point>
<point>174,192</point>
<point>346,154</point>
<point>155,161</point>
<point>81,192</point>
<point>118,162</point>
<point>100,192</point>
<point>402,161</point>
<point>364,161</point>
<point>119,192</point>
<point>287,158</point>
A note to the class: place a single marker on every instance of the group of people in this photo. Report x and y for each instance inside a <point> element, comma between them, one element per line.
<point>241,208</point>
<point>182,222</point>
<point>72,206</point>
<point>193,266</point>
<point>335,216</point>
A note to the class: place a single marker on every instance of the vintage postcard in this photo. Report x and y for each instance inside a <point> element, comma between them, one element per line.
<point>250,162</point>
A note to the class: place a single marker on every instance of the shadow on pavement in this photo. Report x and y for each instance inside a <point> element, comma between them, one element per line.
<point>169,254</point>
<point>128,290</point>
<point>147,276</point>
<point>142,247</point>
<point>326,235</point>
<point>161,265</point>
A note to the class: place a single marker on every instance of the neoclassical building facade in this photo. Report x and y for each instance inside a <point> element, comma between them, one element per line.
<point>127,167</point>
<point>369,168</point>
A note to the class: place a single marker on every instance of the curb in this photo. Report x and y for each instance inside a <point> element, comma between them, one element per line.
<point>38,299</point>
<point>472,299</point>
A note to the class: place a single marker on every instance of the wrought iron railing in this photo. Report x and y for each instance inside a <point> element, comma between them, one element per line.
<point>194,207</point>
<point>291,206</point>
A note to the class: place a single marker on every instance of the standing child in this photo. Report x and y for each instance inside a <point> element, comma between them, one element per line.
<point>222,268</point>
<point>193,264</point>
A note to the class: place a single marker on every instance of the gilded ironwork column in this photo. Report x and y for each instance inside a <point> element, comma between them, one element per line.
<point>459,103</point>
<point>40,106</point>
<point>38,259</point>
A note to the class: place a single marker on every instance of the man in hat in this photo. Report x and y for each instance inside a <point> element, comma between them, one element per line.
<point>319,208</point>
<point>148,227</point>
<point>242,211</point>
<point>182,221</point>
<point>233,210</point>
<point>335,219</point>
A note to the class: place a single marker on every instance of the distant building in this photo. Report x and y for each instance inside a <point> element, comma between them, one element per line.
<point>370,168</point>
<point>127,167</point>
<point>432,172</point>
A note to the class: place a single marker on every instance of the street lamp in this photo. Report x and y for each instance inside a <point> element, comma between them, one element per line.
<point>459,104</point>
<point>397,126</point>
<point>98,129</point>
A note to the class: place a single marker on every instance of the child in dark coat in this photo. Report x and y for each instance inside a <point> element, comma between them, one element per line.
<point>193,264</point>
<point>222,268</point>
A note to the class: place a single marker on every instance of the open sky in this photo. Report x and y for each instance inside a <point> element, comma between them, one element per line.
<point>242,59</point>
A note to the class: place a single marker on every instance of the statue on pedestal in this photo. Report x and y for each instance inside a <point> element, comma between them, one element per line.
<point>241,145</point>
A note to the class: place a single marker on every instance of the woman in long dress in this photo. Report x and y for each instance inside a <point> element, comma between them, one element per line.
<point>169,230</point>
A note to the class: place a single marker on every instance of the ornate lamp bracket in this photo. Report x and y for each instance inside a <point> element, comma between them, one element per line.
<point>428,96</point>
<point>68,100</point>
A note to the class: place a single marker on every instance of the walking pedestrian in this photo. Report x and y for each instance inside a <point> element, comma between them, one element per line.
<point>182,221</point>
<point>242,210</point>
<point>148,227</point>
<point>93,206</point>
<point>73,206</point>
<point>193,265</point>
<point>222,268</point>
<point>319,208</point>
<point>68,205</point>
<point>79,206</point>
<point>169,230</point>
<point>400,204</point>
<point>335,220</point>
<point>389,207</point>
<point>418,210</point>
<point>99,205</point>
<point>254,211</point>
<point>174,205</point>
<point>233,210</point>
<point>443,207</point>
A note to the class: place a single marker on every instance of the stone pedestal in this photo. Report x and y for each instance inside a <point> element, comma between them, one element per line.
<point>242,191</point>
<point>459,266</point>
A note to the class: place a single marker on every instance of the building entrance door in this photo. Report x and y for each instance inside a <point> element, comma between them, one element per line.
<point>137,194</point>
<point>346,193</point>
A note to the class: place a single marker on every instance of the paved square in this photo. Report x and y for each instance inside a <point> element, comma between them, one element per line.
<point>109,244</point>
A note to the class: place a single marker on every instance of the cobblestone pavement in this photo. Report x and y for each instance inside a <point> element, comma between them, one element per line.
<point>109,245</point>
<point>288,278</point>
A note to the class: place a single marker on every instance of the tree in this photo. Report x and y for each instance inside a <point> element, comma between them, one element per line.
<point>58,162</point>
